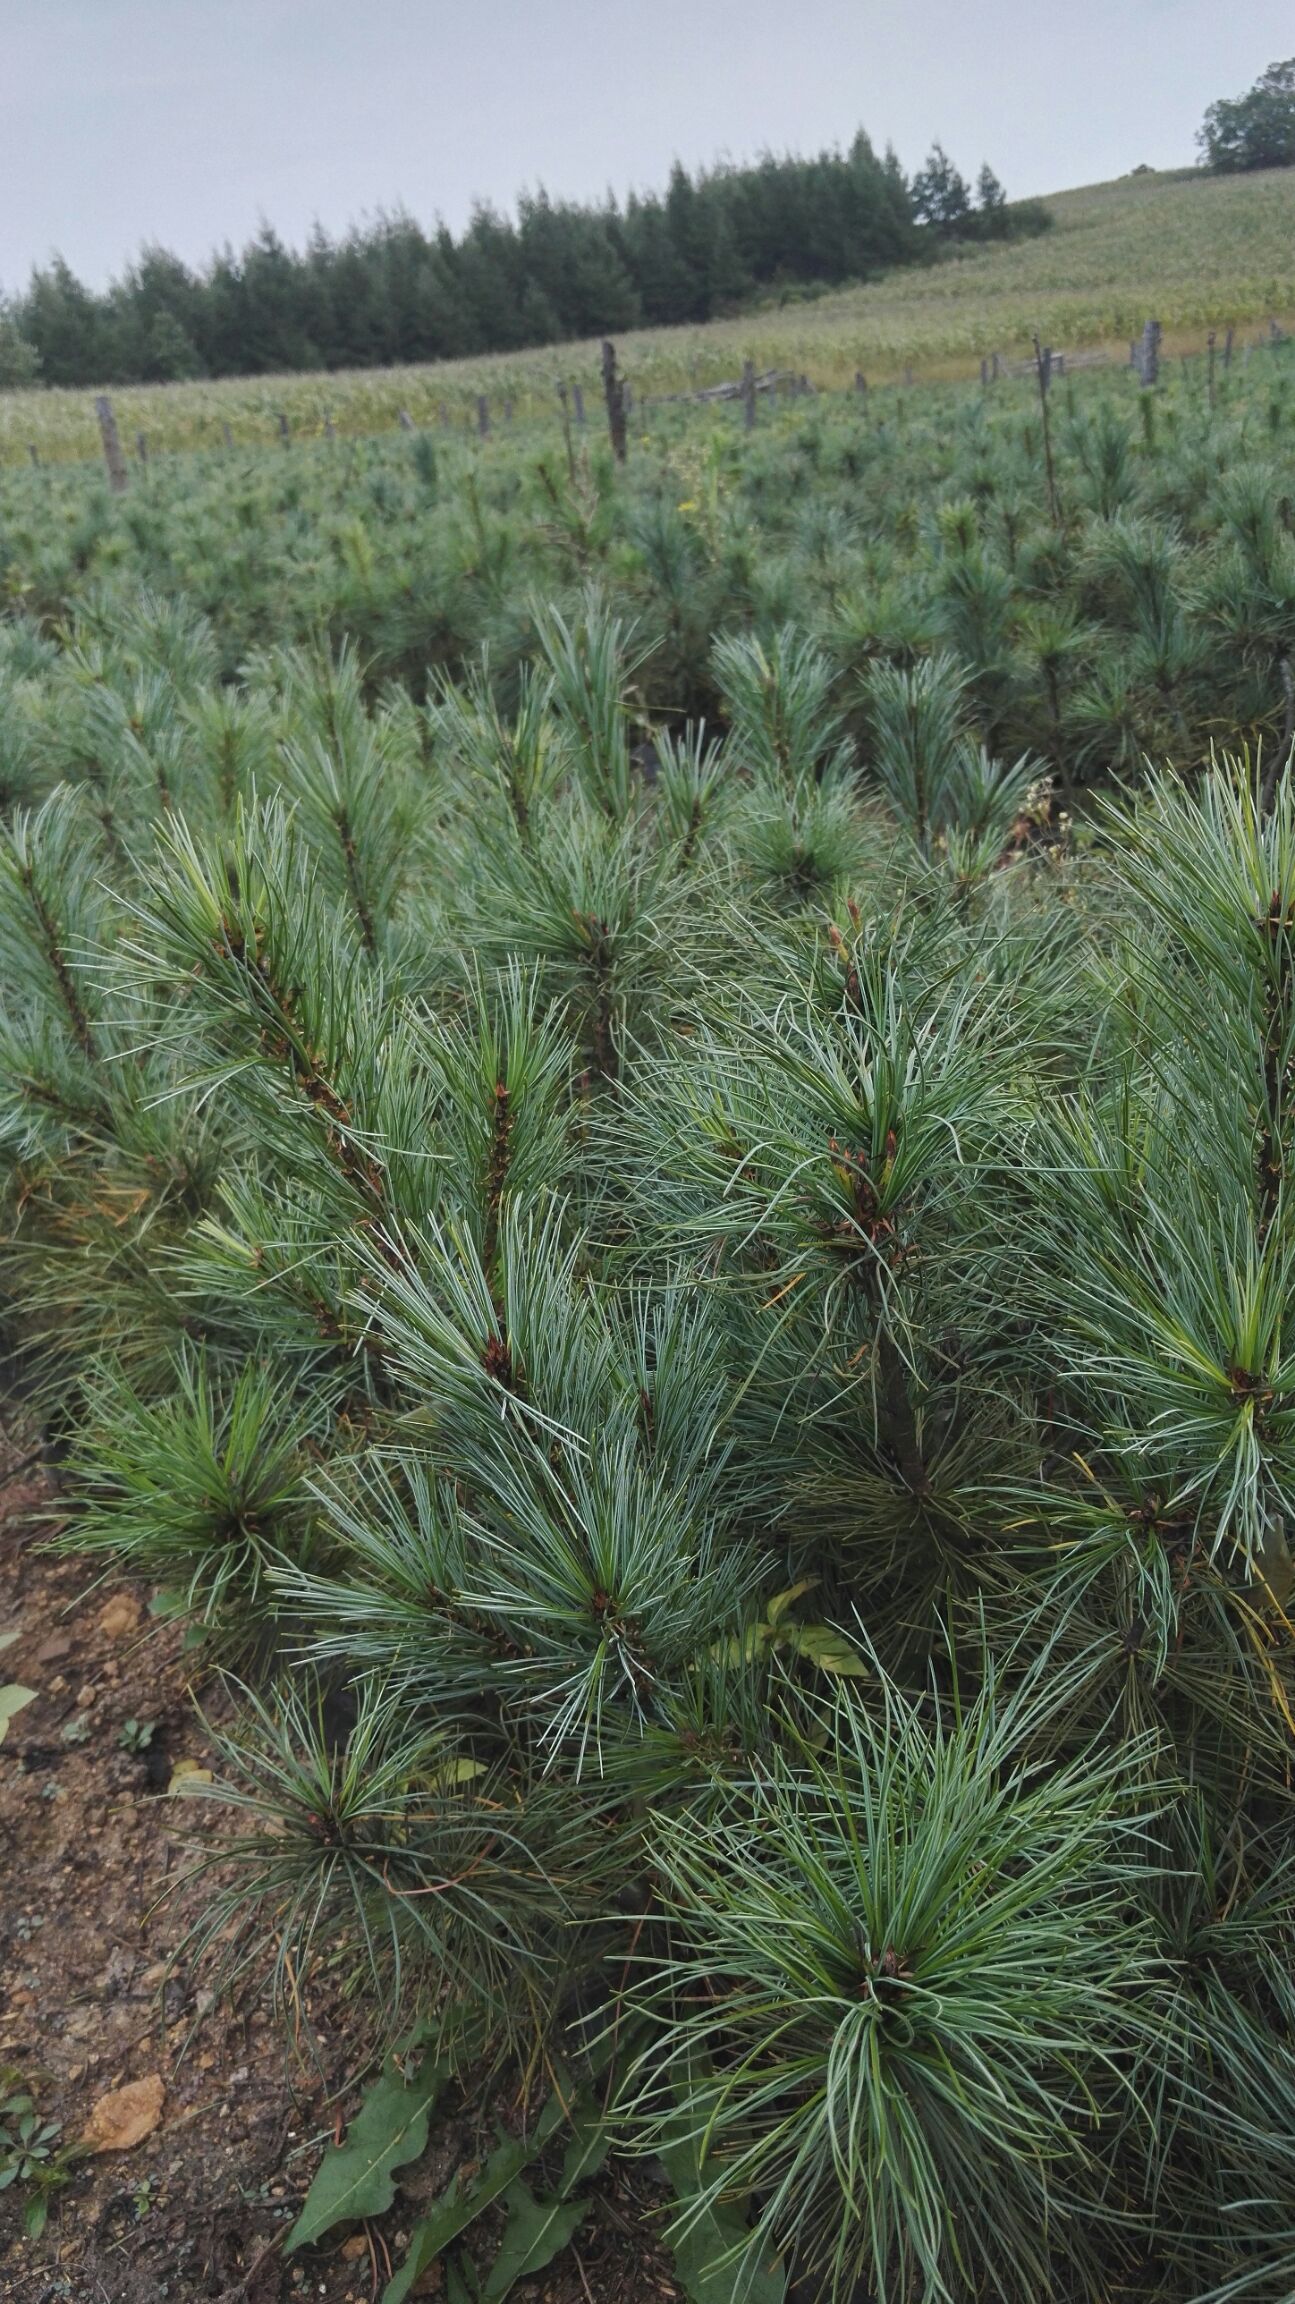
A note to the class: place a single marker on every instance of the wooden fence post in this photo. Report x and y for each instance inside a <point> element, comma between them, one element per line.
<point>285,429</point>
<point>566,431</point>
<point>993,369</point>
<point>111,438</point>
<point>1210,341</point>
<point>614,395</point>
<point>229,437</point>
<point>861,382</point>
<point>1227,349</point>
<point>483,416</point>
<point>748,395</point>
<point>1149,362</point>
<point>578,403</point>
<point>34,453</point>
<point>141,446</point>
<point>1043,364</point>
<point>405,420</point>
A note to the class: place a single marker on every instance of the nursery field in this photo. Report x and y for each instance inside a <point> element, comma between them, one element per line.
<point>1196,252</point>
<point>644,1120</point>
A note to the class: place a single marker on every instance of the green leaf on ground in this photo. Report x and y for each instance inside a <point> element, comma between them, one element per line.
<point>461,2203</point>
<point>708,2252</point>
<point>823,1645</point>
<point>460,2284</point>
<point>12,1699</point>
<point>357,2177</point>
<point>535,2231</point>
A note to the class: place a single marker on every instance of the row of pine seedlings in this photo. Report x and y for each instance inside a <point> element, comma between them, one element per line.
<point>700,1318</point>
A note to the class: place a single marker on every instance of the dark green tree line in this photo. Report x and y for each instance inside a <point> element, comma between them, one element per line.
<point>391,291</point>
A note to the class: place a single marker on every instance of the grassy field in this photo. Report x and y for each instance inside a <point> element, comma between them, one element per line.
<point>1198,252</point>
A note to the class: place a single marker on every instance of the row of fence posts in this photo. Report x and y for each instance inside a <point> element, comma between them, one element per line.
<point>115,459</point>
<point>1145,352</point>
<point>1144,357</point>
<point>617,394</point>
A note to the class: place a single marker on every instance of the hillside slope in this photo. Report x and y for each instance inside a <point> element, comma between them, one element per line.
<point>1198,252</point>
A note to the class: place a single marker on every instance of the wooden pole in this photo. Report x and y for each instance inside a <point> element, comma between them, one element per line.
<point>483,416</point>
<point>614,395</point>
<point>748,395</point>
<point>285,429</point>
<point>1043,366</point>
<point>1211,367</point>
<point>111,439</point>
<point>861,382</point>
<point>141,446</point>
<point>406,421</point>
<point>1149,362</point>
<point>566,431</point>
<point>578,403</point>
<point>1227,349</point>
<point>34,453</point>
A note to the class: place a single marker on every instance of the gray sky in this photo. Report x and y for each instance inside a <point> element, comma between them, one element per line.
<point>186,121</point>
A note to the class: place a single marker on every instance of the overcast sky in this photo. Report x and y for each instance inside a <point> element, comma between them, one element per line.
<point>187,121</point>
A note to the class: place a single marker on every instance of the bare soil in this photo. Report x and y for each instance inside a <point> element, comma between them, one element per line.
<point>96,1992</point>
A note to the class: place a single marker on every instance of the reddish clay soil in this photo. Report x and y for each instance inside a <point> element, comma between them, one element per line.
<point>96,1992</point>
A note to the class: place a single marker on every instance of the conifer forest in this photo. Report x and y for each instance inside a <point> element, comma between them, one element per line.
<point>647,1170</point>
<point>394,291</point>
